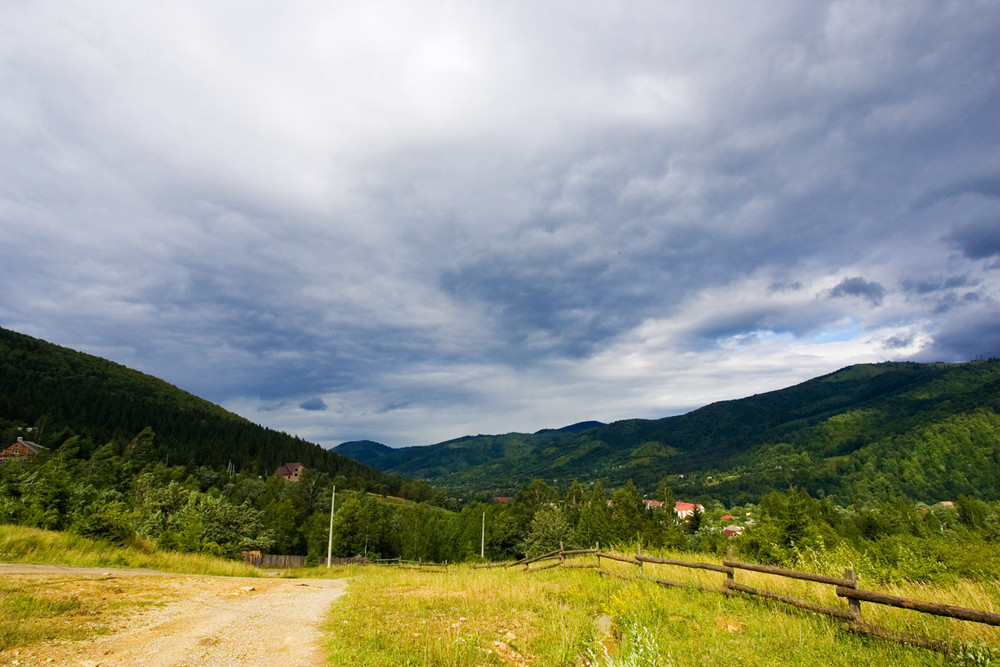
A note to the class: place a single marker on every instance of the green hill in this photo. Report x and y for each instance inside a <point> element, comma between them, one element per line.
<point>64,393</point>
<point>866,432</point>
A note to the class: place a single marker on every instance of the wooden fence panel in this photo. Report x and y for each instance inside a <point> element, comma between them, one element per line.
<point>275,560</point>
<point>935,608</point>
<point>846,587</point>
<point>795,602</point>
<point>724,569</point>
<point>621,559</point>
<point>791,574</point>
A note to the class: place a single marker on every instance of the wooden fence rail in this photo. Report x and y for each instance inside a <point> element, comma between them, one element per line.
<point>724,568</point>
<point>846,587</point>
<point>790,574</point>
<point>258,559</point>
<point>845,614</point>
<point>935,608</point>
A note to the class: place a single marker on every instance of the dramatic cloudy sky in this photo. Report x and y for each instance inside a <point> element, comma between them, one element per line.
<point>411,221</point>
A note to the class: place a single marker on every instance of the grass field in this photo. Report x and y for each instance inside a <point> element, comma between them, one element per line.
<point>575,617</point>
<point>464,616</point>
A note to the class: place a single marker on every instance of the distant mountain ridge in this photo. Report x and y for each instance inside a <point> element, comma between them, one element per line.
<point>362,451</point>
<point>862,430</point>
<point>421,457</point>
<point>575,428</point>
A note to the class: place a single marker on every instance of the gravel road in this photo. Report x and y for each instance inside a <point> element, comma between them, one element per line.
<point>205,621</point>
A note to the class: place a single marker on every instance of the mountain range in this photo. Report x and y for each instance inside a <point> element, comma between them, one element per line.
<point>865,432</point>
<point>869,432</point>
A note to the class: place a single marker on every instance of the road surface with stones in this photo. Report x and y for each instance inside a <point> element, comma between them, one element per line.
<point>205,621</point>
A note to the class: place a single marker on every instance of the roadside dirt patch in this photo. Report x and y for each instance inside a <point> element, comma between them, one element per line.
<point>174,620</point>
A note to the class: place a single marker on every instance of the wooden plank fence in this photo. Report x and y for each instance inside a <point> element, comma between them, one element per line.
<point>845,587</point>
<point>259,559</point>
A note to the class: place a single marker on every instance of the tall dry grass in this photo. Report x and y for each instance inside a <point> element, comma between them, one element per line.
<point>19,544</point>
<point>576,617</point>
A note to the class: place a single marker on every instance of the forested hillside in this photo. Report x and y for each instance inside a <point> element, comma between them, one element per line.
<point>131,458</point>
<point>869,432</point>
<point>62,393</point>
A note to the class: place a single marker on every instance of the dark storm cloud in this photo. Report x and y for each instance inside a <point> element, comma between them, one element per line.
<point>858,286</point>
<point>959,339</point>
<point>929,285</point>
<point>979,239</point>
<point>313,404</point>
<point>986,185</point>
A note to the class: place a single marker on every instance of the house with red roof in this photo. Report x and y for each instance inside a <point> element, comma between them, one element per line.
<point>20,449</point>
<point>685,510</point>
<point>291,471</point>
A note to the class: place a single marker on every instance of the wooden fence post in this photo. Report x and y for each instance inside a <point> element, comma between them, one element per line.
<point>729,556</point>
<point>562,558</point>
<point>597,552</point>
<point>853,604</point>
<point>638,552</point>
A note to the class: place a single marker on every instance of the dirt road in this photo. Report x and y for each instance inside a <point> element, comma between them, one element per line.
<point>191,620</point>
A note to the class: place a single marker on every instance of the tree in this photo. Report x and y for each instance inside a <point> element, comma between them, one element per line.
<point>628,513</point>
<point>549,530</point>
<point>595,520</point>
<point>423,533</point>
<point>364,527</point>
<point>666,495</point>
<point>532,497</point>
<point>573,502</point>
<point>502,537</point>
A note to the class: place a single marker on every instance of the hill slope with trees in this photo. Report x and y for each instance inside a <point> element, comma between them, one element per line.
<point>134,460</point>
<point>866,432</point>
<point>60,393</point>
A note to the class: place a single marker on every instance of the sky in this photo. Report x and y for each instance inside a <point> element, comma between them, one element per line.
<point>408,222</point>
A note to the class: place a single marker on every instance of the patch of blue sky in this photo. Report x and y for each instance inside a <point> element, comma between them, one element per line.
<point>839,334</point>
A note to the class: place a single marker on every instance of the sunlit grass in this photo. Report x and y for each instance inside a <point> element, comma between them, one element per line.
<point>509,617</point>
<point>393,616</point>
<point>19,544</point>
<point>984,596</point>
<point>465,616</point>
<point>28,615</point>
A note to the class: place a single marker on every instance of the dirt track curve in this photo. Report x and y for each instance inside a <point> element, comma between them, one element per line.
<point>205,621</point>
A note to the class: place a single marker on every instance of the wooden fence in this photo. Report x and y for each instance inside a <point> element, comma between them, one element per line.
<point>412,564</point>
<point>846,587</point>
<point>353,560</point>
<point>259,559</point>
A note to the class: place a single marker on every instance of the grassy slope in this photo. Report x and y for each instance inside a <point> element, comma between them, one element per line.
<point>19,544</point>
<point>508,617</point>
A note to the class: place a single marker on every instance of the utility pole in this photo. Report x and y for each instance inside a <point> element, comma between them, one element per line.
<point>329,544</point>
<point>482,542</point>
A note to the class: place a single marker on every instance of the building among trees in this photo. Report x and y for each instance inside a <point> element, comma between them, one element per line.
<point>21,448</point>
<point>291,471</point>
